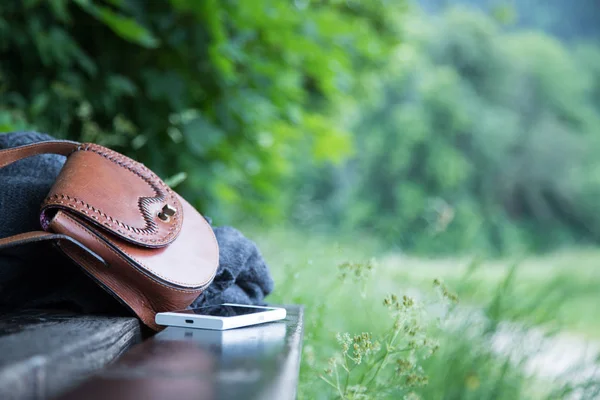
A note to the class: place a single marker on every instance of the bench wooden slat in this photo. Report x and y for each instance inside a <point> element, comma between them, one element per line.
<point>260,362</point>
<point>45,353</point>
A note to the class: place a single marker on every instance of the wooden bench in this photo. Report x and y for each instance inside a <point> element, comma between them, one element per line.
<point>67,356</point>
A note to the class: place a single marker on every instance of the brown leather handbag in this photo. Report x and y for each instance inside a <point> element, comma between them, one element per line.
<point>124,226</point>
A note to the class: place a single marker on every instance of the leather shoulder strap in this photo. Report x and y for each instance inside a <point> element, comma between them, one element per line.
<point>62,147</point>
<point>9,156</point>
<point>41,236</point>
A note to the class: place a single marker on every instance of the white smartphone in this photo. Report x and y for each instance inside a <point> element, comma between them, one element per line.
<point>221,317</point>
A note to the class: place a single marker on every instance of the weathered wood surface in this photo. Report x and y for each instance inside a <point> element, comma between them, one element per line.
<point>43,353</point>
<point>260,362</point>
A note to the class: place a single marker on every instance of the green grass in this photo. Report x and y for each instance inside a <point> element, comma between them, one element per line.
<point>557,291</point>
<point>560,291</point>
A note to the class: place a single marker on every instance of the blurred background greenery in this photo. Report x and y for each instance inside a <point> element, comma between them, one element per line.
<point>435,128</point>
<point>451,128</point>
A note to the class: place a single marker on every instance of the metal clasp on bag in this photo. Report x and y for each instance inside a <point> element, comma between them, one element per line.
<point>166,213</point>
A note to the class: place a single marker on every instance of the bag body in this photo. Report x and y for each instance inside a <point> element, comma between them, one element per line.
<point>125,227</point>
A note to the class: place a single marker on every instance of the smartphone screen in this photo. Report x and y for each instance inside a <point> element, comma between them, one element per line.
<point>223,310</point>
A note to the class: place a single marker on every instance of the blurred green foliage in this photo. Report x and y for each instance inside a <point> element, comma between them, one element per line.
<point>475,138</point>
<point>436,133</point>
<point>213,94</point>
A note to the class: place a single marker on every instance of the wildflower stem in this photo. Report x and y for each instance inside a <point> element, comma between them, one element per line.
<point>345,365</point>
<point>337,381</point>
<point>333,386</point>
<point>328,381</point>
<point>384,358</point>
<point>347,374</point>
<point>381,364</point>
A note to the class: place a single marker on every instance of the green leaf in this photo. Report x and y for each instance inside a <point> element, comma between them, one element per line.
<point>125,27</point>
<point>39,104</point>
<point>176,179</point>
<point>139,141</point>
<point>201,135</point>
<point>121,85</point>
<point>60,9</point>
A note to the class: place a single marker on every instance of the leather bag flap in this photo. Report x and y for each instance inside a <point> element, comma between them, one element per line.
<point>117,194</point>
